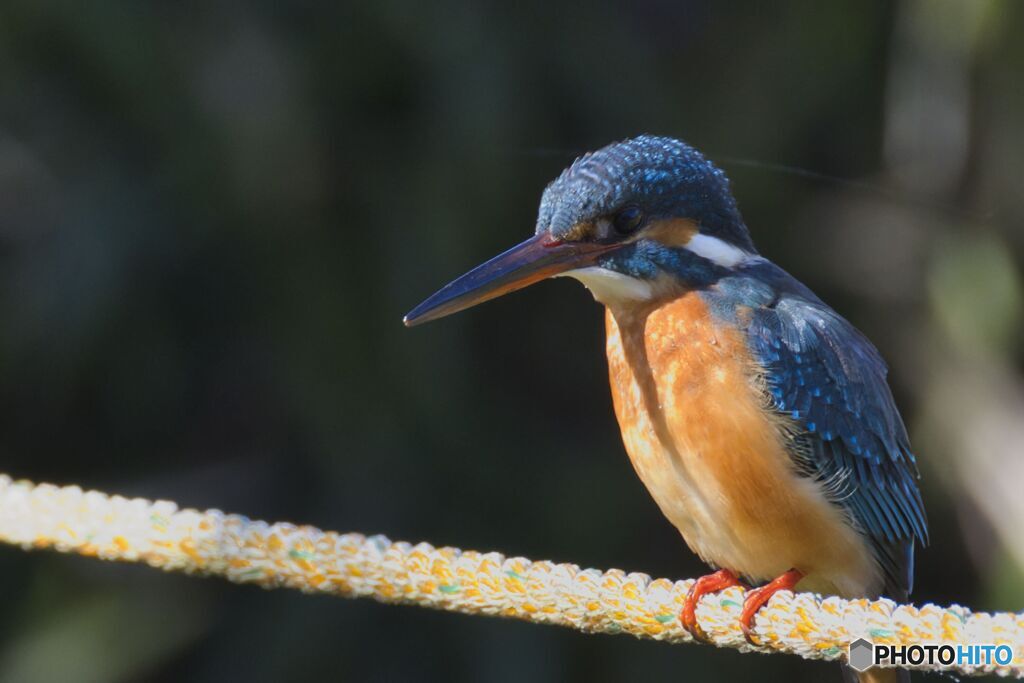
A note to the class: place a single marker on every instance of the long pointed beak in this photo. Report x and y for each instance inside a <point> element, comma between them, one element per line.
<point>535,259</point>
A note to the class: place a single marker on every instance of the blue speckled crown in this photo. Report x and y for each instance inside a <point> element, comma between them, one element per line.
<point>664,176</point>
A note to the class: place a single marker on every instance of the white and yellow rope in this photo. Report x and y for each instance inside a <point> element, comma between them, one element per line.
<point>241,550</point>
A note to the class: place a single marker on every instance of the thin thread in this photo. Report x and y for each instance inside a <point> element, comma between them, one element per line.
<point>878,190</point>
<point>282,555</point>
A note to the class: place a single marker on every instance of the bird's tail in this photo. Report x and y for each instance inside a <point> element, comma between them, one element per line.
<point>876,675</point>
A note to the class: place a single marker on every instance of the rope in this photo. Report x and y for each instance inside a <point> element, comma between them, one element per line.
<point>282,555</point>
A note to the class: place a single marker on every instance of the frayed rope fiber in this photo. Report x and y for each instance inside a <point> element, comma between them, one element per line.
<point>69,520</point>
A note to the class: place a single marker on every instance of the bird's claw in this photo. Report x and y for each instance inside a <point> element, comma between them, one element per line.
<point>759,597</point>
<point>712,583</point>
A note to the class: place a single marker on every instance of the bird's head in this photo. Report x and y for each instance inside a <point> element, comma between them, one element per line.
<point>627,220</point>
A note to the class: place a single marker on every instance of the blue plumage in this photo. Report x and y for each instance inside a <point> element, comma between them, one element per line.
<point>661,174</point>
<point>830,380</point>
<point>825,376</point>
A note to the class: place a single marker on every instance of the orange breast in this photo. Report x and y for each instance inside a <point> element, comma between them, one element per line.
<point>694,420</point>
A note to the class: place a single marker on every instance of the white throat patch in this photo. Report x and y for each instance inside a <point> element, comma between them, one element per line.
<point>609,287</point>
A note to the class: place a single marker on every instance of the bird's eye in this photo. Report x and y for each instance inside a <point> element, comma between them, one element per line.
<point>628,220</point>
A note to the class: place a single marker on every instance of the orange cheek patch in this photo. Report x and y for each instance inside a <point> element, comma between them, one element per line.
<point>672,232</point>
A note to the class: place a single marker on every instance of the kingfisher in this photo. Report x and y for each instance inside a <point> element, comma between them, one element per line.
<point>757,417</point>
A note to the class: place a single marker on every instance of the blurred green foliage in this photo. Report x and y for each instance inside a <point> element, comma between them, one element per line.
<point>213,216</point>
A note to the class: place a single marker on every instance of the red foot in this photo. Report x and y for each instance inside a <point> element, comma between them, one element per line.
<point>712,583</point>
<point>757,598</point>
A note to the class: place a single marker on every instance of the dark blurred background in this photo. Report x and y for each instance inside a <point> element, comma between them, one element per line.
<point>214,214</point>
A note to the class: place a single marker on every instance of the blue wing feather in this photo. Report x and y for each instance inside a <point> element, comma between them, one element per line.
<point>830,379</point>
